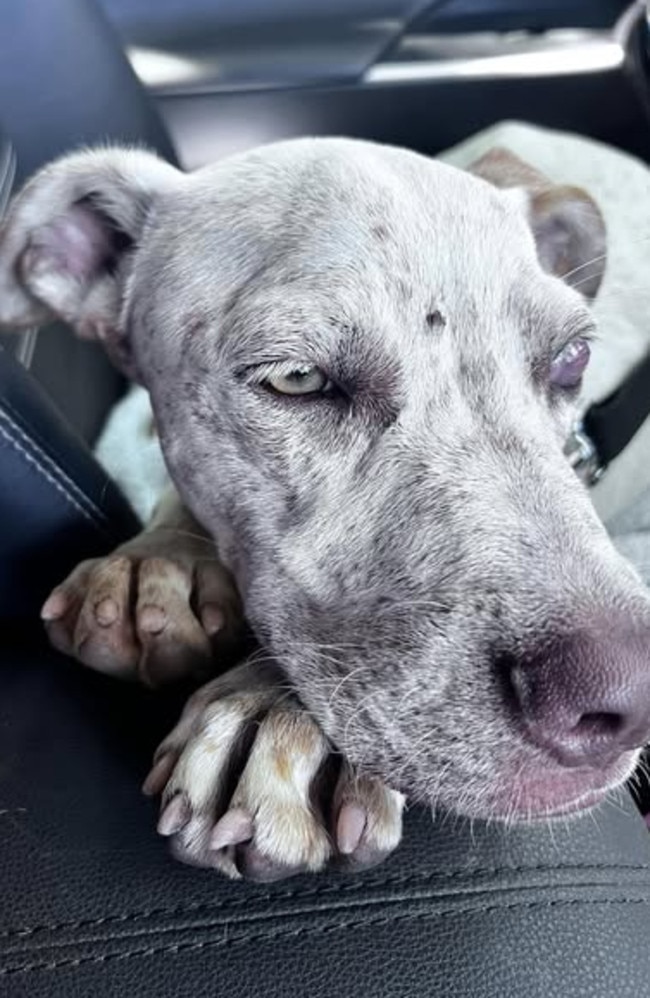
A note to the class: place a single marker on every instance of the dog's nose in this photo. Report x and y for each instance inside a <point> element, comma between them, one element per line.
<point>585,699</point>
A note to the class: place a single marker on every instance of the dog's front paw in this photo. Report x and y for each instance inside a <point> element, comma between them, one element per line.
<point>159,609</point>
<point>250,786</point>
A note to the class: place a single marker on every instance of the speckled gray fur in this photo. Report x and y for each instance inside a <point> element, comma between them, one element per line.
<point>385,553</point>
<point>391,550</point>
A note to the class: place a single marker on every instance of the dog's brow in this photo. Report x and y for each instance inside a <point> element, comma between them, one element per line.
<point>548,325</point>
<point>580,322</point>
<point>354,355</point>
<point>275,336</point>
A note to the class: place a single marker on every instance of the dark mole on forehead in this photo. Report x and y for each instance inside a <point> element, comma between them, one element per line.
<point>435,319</point>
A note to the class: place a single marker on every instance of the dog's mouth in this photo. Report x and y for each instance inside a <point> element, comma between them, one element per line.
<point>535,792</point>
<point>558,793</point>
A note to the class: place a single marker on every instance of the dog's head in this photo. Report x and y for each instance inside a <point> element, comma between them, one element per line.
<point>364,365</point>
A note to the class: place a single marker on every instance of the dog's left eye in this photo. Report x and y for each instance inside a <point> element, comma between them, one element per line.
<point>299,380</point>
<point>568,366</point>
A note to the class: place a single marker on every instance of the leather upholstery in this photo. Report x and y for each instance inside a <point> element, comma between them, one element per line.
<point>93,905</point>
<point>65,82</point>
<point>56,505</point>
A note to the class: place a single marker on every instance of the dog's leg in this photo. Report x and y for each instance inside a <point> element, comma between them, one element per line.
<point>160,608</point>
<point>252,787</point>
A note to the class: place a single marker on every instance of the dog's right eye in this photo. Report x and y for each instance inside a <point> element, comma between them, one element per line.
<point>299,381</point>
<point>289,378</point>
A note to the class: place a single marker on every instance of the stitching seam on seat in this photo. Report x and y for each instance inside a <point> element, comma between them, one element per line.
<point>351,887</point>
<point>82,497</point>
<point>186,947</point>
<point>59,486</point>
<point>36,441</point>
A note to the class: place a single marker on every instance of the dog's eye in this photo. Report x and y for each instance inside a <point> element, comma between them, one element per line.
<point>568,366</point>
<point>299,380</point>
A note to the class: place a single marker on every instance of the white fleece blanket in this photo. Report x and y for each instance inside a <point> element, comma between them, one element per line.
<point>621,186</point>
<point>130,452</point>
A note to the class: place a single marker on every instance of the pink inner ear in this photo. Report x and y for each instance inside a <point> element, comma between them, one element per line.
<point>79,243</point>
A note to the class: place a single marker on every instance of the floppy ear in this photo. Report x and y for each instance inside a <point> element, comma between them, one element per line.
<point>567,224</point>
<point>69,238</point>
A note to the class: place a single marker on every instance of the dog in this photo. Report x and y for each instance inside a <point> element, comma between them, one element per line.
<point>363,365</point>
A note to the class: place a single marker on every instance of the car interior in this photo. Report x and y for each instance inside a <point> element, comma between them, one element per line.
<point>92,902</point>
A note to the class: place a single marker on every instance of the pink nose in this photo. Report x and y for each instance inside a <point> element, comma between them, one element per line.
<point>585,700</point>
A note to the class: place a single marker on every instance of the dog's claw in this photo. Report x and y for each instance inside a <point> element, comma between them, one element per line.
<point>235,827</point>
<point>174,816</point>
<point>350,826</point>
<point>159,774</point>
<point>212,618</point>
<point>369,822</point>
<point>55,606</point>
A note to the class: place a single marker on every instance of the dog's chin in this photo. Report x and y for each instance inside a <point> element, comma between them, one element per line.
<point>548,793</point>
<point>531,794</point>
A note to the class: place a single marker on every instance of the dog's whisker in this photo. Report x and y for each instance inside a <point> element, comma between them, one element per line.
<point>414,754</point>
<point>309,645</point>
<point>353,718</point>
<point>404,699</point>
<point>413,604</point>
<point>587,263</point>
<point>584,280</point>
<point>602,257</point>
<point>346,679</point>
<point>180,532</point>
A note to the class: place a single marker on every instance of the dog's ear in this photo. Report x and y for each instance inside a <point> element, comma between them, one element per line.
<point>567,224</point>
<point>68,238</point>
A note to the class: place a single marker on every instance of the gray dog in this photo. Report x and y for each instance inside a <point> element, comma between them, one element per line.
<point>363,366</point>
